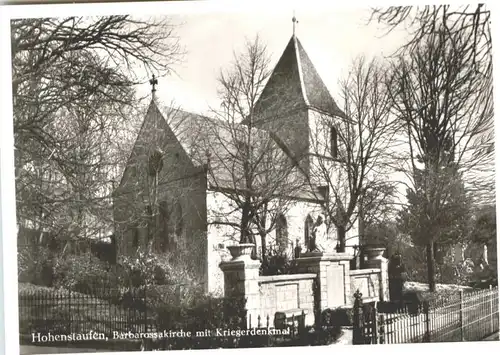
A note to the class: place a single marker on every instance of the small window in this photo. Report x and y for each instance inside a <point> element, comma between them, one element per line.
<point>243,150</point>
<point>333,142</point>
<point>241,146</point>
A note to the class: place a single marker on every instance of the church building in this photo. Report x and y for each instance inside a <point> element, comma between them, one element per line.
<point>178,192</point>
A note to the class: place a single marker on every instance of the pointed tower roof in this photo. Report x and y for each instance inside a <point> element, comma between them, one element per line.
<point>295,83</point>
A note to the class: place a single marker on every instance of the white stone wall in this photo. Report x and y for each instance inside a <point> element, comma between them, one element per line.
<point>220,210</point>
<point>296,216</point>
<point>319,130</point>
<point>219,236</point>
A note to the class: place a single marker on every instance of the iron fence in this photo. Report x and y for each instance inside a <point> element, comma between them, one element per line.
<point>110,311</point>
<point>470,316</point>
<point>62,311</point>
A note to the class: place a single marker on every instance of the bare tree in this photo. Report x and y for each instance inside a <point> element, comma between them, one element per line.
<point>73,81</point>
<point>445,100</point>
<point>422,21</point>
<point>354,152</point>
<point>248,165</point>
<point>65,191</point>
<point>471,23</point>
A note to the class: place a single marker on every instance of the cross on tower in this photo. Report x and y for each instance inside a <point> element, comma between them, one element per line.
<point>294,20</point>
<point>153,81</point>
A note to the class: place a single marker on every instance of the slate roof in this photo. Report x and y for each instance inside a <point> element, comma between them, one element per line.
<point>199,134</point>
<point>295,83</point>
<point>191,130</point>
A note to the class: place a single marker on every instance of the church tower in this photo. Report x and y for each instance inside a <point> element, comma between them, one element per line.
<point>296,105</point>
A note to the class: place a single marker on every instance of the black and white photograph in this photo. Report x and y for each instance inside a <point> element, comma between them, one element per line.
<point>218,175</point>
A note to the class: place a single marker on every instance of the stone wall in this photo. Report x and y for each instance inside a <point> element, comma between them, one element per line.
<point>324,279</point>
<point>287,293</point>
<point>332,270</point>
<point>367,281</point>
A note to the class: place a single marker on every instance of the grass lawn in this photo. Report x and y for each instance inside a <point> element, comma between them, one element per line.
<point>422,287</point>
<point>444,292</point>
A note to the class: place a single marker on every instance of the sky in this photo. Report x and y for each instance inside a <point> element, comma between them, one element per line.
<point>332,38</point>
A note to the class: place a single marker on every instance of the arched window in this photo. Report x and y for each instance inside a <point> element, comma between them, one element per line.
<point>281,233</point>
<point>164,225</point>
<point>308,229</point>
<point>334,149</point>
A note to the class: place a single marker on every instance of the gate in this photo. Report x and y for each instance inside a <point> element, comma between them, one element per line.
<point>365,324</point>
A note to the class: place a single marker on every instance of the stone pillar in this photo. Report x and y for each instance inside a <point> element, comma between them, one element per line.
<point>333,279</point>
<point>241,280</point>
<point>377,261</point>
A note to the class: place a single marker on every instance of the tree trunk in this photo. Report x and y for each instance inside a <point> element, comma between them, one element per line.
<point>263,234</point>
<point>263,246</point>
<point>245,221</point>
<point>431,268</point>
<point>361,224</point>
<point>341,237</point>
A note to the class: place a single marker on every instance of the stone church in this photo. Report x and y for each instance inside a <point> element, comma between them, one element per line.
<point>173,182</point>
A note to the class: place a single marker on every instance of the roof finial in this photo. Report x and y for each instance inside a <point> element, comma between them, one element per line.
<point>294,20</point>
<point>153,83</point>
